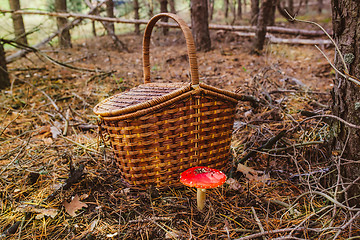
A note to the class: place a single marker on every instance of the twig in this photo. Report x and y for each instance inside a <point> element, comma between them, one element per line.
<point>258,222</point>
<point>297,91</point>
<point>327,34</point>
<point>257,235</point>
<point>73,23</point>
<point>56,62</point>
<point>81,98</point>
<point>75,174</point>
<point>346,225</point>
<point>342,74</point>
<point>293,146</point>
<point>49,98</point>
<point>268,144</point>
<point>350,185</point>
<point>80,145</point>
<point>151,219</point>
<point>332,116</point>
<point>17,156</point>
<point>13,120</point>
<point>328,198</point>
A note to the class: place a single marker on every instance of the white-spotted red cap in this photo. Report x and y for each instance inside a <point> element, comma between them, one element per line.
<point>202,177</point>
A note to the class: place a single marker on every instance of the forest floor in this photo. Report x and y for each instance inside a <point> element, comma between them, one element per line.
<point>58,180</point>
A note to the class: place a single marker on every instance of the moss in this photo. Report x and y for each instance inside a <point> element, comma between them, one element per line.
<point>357,106</point>
<point>334,130</point>
<point>349,58</point>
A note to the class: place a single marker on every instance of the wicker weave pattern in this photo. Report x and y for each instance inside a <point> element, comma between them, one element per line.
<point>155,148</point>
<point>158,130</point>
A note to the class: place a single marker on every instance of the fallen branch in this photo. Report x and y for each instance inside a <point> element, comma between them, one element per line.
<point>267,145</point>
<point>257,235</point>
<point>75,175</point>
<point>335,117</point>
<point>273,39</point>
<point>328,198</point>
<point>271,29</point>
<point>70,25</point>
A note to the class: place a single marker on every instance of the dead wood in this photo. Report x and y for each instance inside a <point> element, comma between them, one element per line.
<point>273,39</point>
<point>75,175</point>
<point>267,145</point>
<point>70,25</point>
<point>270,29</point>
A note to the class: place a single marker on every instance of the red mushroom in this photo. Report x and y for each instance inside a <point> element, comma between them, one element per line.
<point>202,178</point>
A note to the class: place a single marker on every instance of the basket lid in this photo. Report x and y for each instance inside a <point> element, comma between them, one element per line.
<point>140,97</point>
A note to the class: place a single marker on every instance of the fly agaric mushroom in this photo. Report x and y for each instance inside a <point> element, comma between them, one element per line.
<point>202,178</point>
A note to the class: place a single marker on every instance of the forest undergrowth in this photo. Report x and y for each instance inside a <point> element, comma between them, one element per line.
<point>59,179</point>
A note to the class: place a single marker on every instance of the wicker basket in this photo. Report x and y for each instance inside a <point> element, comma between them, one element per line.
<point>158,130</point>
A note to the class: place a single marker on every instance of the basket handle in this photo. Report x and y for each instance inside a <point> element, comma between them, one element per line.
<point>189,43</point>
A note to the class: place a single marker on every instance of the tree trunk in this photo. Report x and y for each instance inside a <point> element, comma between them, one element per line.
<point>271,21</point>
<point>282,9</point>
<point>110,13</point>
<point>200,24</point>
<point>163,9</point>
<point>137,16</point>
<point>4,76</point>
<point>226,6</point>
<point>172,6</point>
<point>64,36</point>
<point>18,23</point>
<point>210,9</point>
<point>320,6</point>
<point>239,10</point>
<point>290,7</point>
<point>344,143</point>
<point>261,26</point>
<point>254,11</point>
<point>150,4</point>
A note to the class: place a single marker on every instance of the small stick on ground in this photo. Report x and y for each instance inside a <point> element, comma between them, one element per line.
<point>75,174</point>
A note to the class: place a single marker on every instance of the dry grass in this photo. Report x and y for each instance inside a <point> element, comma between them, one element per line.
<point>35,162</point>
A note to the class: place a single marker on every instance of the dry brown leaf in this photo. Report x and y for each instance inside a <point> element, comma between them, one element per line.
<point>233,184</point>
<point>174,234</point>
<point>74,205</point>
<point>50,212</point>
<point>252,174</point>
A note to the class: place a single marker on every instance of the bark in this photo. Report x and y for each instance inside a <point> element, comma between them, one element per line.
<point>320,6</point>
<point>200,25</point>
<point>271,21</point>
<point>281,6</point>
<point>18,23</point>
<point>110,28</point>
<point>93,27</point>
<point>210,9</point>
<point>137,16</point>
<point>260,32</point>
<point>172,6</point>
<point>163,8</point>
<point>344,143</point>
<point>64,36</point>
<point>290,7</point>
<point>226,6</point>
<point>4,76</point>
<point>150,4</point>
<point>239,9</point>
<point>254,11</point>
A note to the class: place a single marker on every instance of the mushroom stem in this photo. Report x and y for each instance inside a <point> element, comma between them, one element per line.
<point>201,195</point>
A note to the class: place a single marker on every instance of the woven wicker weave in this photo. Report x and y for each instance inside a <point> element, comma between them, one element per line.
<point>158,130</point>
